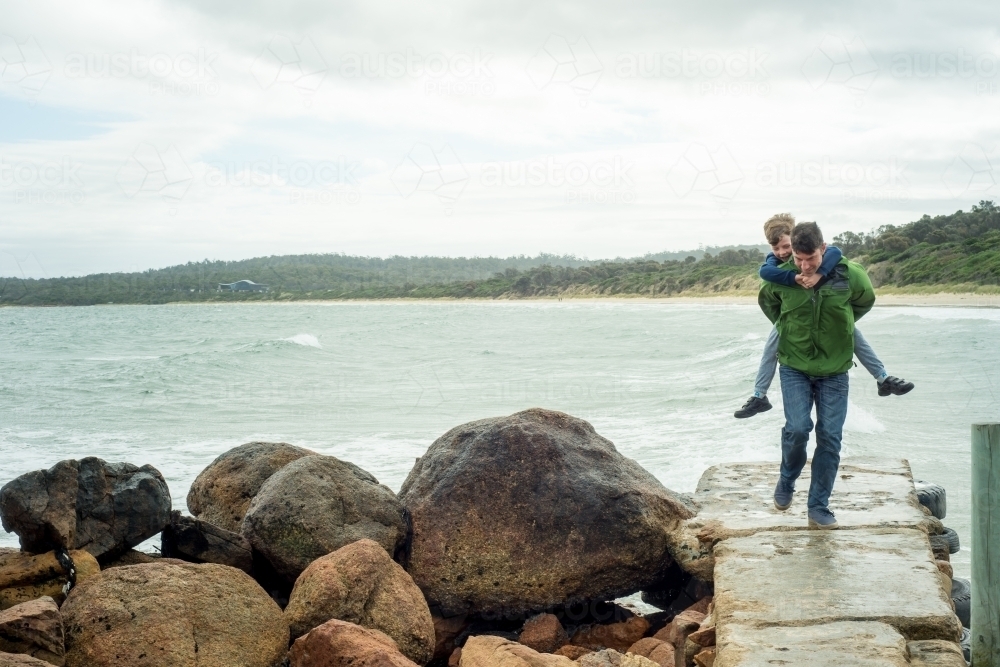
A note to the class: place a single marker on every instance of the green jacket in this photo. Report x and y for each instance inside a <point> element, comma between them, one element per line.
<point>816,326</point>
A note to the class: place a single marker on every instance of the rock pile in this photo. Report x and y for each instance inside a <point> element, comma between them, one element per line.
<point>507,540</point>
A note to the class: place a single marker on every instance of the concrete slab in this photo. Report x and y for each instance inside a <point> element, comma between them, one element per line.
<point>737,499</point>
<point>859,644</point>
<point>799,578</point>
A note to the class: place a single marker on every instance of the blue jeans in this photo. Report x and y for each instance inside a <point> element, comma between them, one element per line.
<point>769,361</point>
<point>798,392</point>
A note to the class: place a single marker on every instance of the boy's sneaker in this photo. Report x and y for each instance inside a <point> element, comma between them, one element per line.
<point>894,385</point>
<point>822,519</point>
<point>783,493</point>
<point>752,407</point>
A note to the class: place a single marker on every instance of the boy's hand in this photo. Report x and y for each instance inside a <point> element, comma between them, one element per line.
<point>808,282</point>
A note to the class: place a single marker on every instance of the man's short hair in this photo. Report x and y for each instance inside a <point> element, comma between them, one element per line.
<point>777,226</point>
<point>806,238</point>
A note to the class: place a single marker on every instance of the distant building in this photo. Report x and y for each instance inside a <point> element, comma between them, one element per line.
<point>242,286</point>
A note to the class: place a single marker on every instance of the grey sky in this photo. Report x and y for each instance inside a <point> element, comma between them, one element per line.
<point>138,135</point>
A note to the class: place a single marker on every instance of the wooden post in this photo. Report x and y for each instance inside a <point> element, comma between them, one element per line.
<point>985,545</point>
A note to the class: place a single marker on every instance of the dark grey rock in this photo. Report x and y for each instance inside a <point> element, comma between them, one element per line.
<point>104,508</point>
<point>199,541</point>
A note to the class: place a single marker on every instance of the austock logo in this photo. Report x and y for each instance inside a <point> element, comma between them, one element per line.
<point>23,64</point>
<point>715,173</point>
<point>560,62</point>
<point>149,170</point>
<point>440,173</point>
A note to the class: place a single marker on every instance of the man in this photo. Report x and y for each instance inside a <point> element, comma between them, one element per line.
<point>815,350</point>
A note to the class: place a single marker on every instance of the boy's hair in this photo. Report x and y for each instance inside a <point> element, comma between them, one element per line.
<point>777,226</point>
<point>806,238</point>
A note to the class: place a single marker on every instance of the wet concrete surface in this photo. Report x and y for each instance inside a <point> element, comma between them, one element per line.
<point>866,594</point>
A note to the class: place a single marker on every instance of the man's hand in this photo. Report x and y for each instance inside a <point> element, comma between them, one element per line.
<point>808,282</point>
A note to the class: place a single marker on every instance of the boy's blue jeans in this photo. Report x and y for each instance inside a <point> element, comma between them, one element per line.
<point>769,361</point>
<point>798,392</point>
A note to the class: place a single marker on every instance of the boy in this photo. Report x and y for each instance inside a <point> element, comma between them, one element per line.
<point>778,230</point>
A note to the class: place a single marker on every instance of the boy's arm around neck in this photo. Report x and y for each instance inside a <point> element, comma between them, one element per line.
<point>831,258</point>
<point>770,272</point>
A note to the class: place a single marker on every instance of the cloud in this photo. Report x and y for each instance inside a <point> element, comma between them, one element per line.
<point>240,95</point>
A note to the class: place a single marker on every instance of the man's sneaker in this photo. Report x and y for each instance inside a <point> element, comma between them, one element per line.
<point>783,493</point>
<point>752,407</point>
<point>894,385</point>
<point>822,519</point>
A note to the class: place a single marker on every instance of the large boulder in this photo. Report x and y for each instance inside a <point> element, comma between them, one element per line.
<point>360,584</point>
<point>25,577</point>
<point>105,508</point>
<point>199,541</point>
<point>222,492</point>
<point>316,505</point>
<point>534,510</point>
<point>172,614</point>
<point>33,628</point>
<point>342,644</point>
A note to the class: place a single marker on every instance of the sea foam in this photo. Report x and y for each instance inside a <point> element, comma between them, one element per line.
<point>304,339</point>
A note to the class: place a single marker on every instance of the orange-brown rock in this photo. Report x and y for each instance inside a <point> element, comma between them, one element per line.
<point>656,650</point>
<point>490,651</point>
<point>455,657</point>
<point>25,577</point>
<point>170,614</point>
<point>572,652</point>
<point>703,605</point>
<point>618,636</point>
<point>573,520</point>
<point>945,568</point>
<point>446,630</point>
<point>703,637</point>
<point>543,633</point>
<point>683,624</point>
<point>705,658</point>
<point>222,492</point>
<point>361,584</point>
<point>342,644</point>
<point>33,628</point>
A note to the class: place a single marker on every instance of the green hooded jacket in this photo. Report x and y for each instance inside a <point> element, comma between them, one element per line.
<point>816,326</point>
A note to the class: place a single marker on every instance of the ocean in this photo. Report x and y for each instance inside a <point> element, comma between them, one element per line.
<point>375,383</point>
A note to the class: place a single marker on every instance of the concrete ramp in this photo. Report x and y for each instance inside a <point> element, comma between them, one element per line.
<point>866,594</point>
<point>737,500</point>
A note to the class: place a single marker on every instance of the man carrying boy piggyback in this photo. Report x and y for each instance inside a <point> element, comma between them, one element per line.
<point>778,230</point>
<point>816,344</point>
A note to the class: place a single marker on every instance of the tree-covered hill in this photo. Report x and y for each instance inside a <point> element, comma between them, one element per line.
<point>947,252</point>
<point>960,248</point>
<point>320,276</point>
